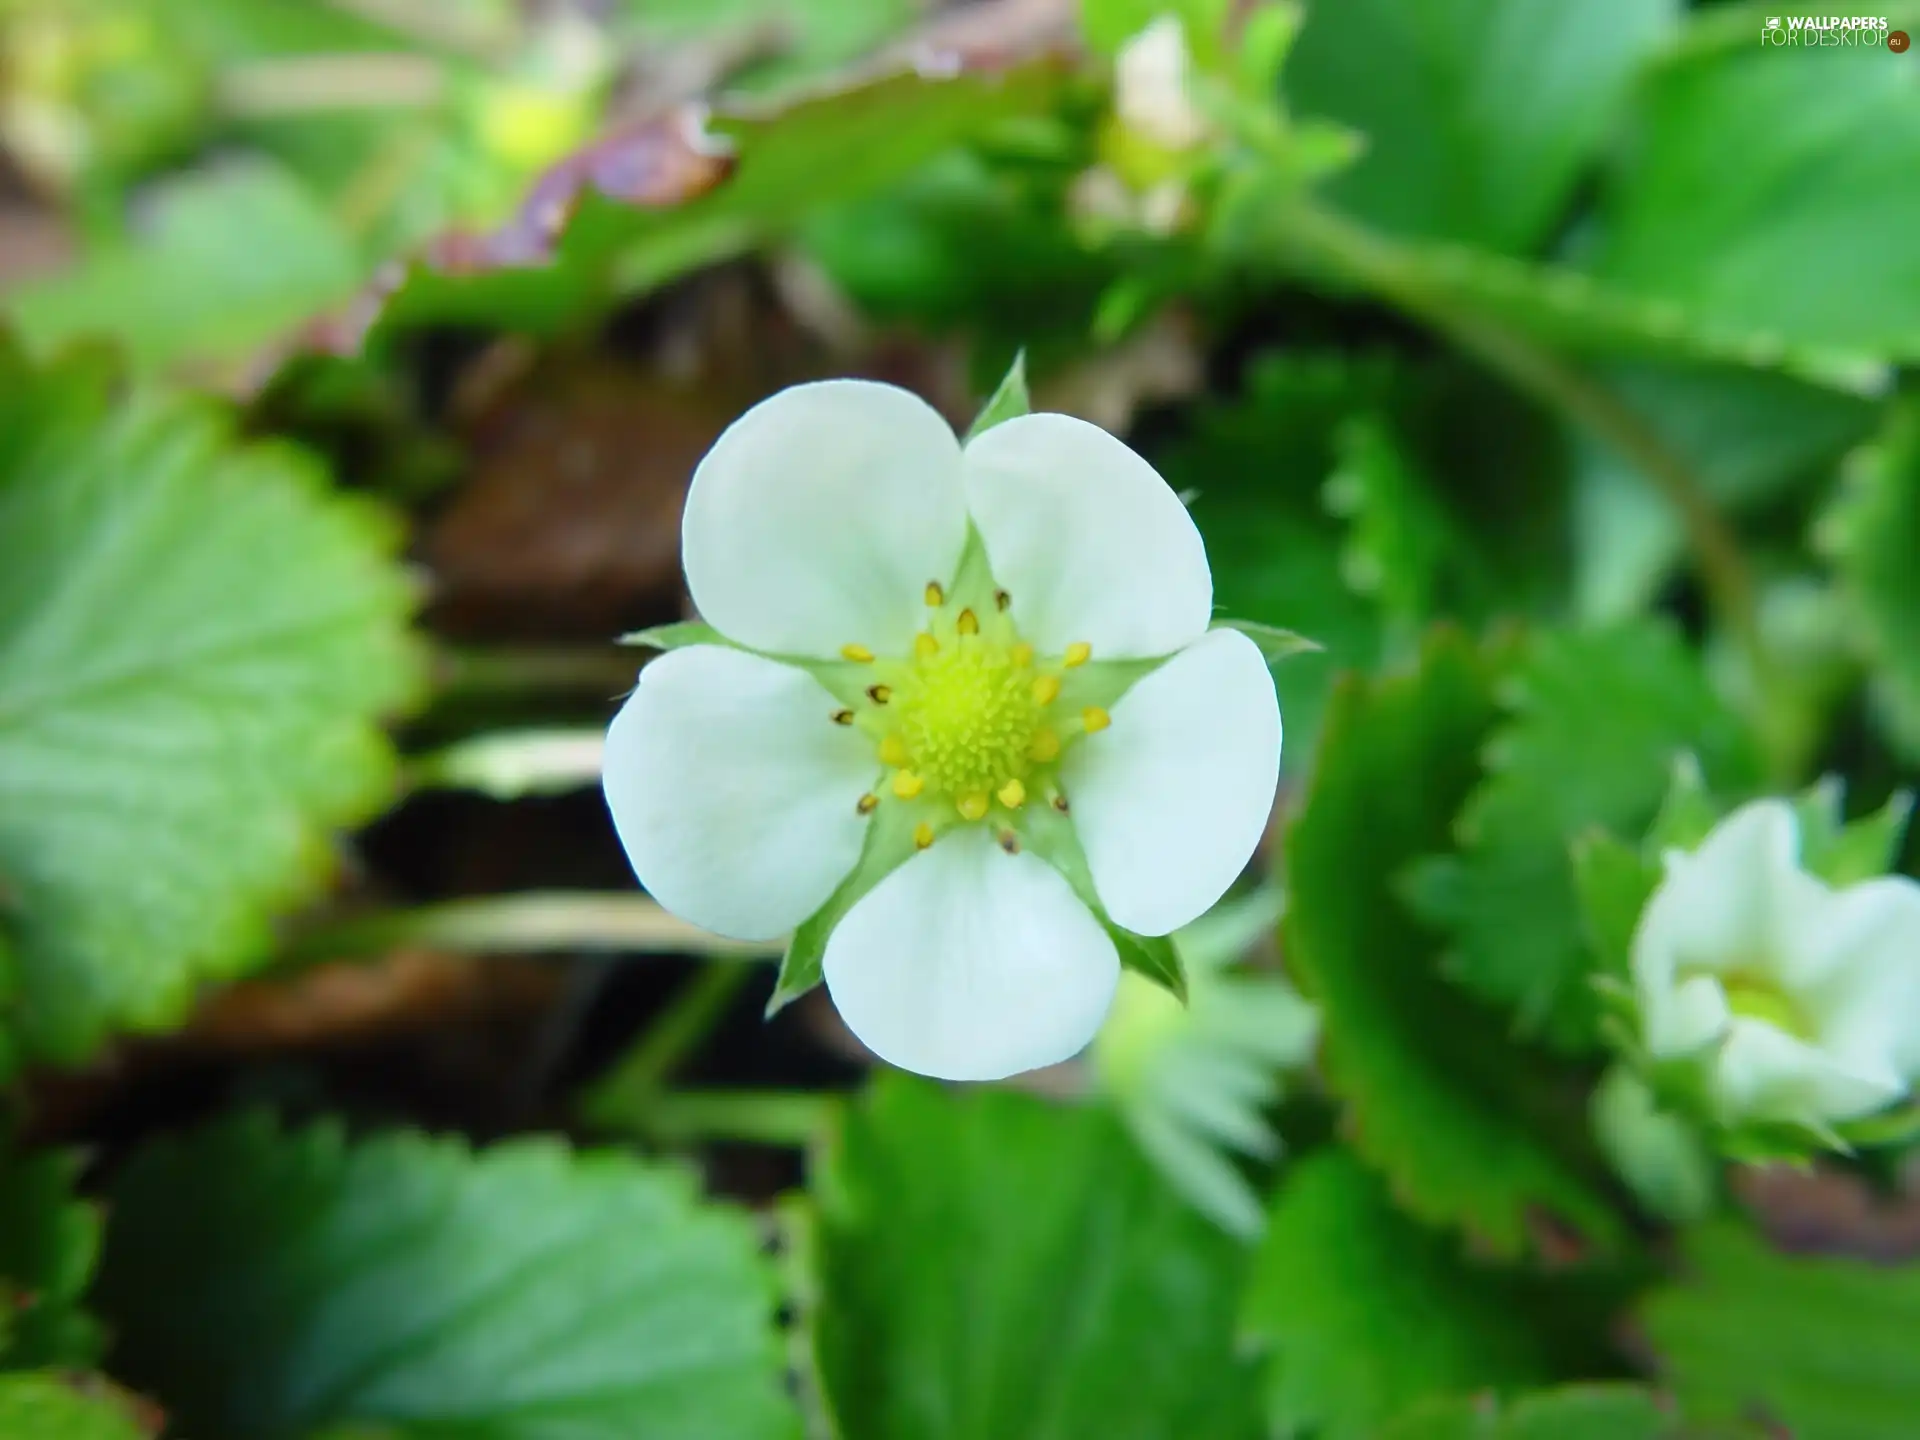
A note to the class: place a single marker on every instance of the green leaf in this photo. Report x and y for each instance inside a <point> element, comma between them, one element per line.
<point>1823,1347</point>
<point>993,1265</point>
<point>49,1241</point>
<point>1872,535</point>
<point>1009,399</point>
<point>1460,1118</point>
<point>1365,1311</point>
<point>56,1407</point>
<point>1479,114</point>
<point>196,640</point>
<point>675,636</point>
<point>681,208</point>
<point>264,1284</point>
<point>1575,1412</point>
<point>237,257</point>
<point>1694,217</point>
<point>1597,719</point>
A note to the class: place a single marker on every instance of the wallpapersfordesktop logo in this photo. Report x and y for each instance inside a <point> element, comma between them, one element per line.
<point>1832,30</point>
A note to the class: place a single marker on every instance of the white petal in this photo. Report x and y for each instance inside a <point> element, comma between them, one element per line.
<point>1170,800</point>
<point>1679,1022</point>
<point>733,791</point>
<point>1087,538</point>
<point>1763,1073</point>
<point>1715,908</point>
<point>1866,948</point>
<point>818,518</point>
<point>968,963</point>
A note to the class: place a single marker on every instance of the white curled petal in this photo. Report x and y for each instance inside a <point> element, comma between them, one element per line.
<point>1087,538</point>
<point>1714,909</point>
<point>1679,1022</point>
<point>1763,1073</point>
<point>734,792</point>
<point>968,963</point>
<point>819,516</point>
<point>1170,801</point>
<point>1866,949</point>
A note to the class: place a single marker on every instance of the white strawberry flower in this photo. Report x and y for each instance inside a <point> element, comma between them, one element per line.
<point>963,721</point>
<point>1802,1001</point>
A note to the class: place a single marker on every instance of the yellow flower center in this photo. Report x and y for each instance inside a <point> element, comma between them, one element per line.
<point>967,716</point>
<point>968,722</point>
<point>1759,997</point>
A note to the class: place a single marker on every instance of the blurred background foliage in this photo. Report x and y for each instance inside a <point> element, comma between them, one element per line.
<point>1548,361</point>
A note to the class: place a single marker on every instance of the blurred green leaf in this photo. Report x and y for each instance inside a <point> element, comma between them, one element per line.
<point>1576,1412</point>
<point>1257,463</point>
<point>235,258</point>
<point>1845,852</point>
<point>1750,436</point>
<point>826,146</point>
<point>1365,1311</point>
<point>265,1283</point>
<point>1459,1117</point>
<point>1873,535</point>
<point>1596,721</point>
<point>196,640</point>
<point>1822,1346</point>
<point>1479,114</point>
<point>807,38</point>
<point>1769,190</point>
<point>61,1407</point>
<point>49,1241</point>
<point>995,1266</point>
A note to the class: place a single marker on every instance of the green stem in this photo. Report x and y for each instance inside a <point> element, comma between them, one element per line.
<point>598,672</point>
<point>521,924</point>
<point>1383,267</point>
<point>621,1098</point>
<point>510,764</point>
<point>787,1118</point>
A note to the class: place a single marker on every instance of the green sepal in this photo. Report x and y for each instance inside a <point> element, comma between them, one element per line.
<point>1898,1126</point>
<point>1843,853</point>
<point>888,846</point>
<point>1688,813</point>
<point>1008,402</point>
<point>1612,882</point>
<point>1051,836</point>
<point>1661,1156</point>
<point>677,636</point>
<point>1275,644</point>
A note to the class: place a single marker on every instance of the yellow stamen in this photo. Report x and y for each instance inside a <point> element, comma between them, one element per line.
<point>859,654</point>
<point>843,717</point>
<point>925,646</point>
<point>879,694</point>
<point>1023,655</point>
<point>1094,719</point>
<point>1046,688</point>
<point>893,753</point>
<point>906,784</point>
<point>1009,842</point>
<point>935,595</point>
<point>1078,653</point>
<point>1001,600</point>
<point>1044,746</point>
<point>867,804</point>
<point>922,835</point>
<point>968,623</point>
<point>1013,794</point>
<point>1059,802</point>
<point>972,806</point>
